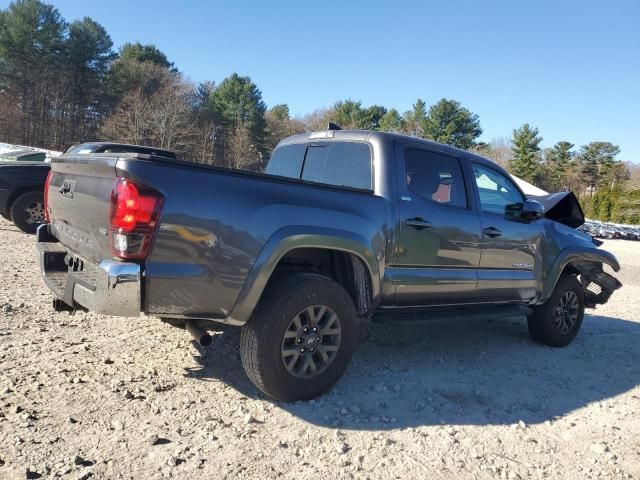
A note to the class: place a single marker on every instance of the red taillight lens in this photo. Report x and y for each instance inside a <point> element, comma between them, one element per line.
<point>133,218</point>
<point>46,196</point>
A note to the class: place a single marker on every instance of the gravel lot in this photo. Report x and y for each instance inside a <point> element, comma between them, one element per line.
<point>89,396</point>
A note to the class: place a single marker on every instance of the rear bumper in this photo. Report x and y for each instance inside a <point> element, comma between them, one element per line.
<point>110,288</point>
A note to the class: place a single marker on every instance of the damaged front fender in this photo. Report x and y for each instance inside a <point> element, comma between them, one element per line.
<point>588,263</point>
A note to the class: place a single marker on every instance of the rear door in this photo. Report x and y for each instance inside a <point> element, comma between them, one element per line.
<point>511,248</point>
<point>438,247</point>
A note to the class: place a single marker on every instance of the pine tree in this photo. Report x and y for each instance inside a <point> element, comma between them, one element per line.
<point>237,101</point>
<point>559,162</point>
<point>597,162</point>
<point>414,119</point>
<point>450,123</point>
<point>526,152</point>
<point>391,121</point>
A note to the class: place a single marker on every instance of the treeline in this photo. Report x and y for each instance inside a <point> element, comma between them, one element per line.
<point>62,83</point>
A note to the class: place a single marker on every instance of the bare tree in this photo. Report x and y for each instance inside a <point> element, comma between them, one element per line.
<point>163,119</point>
<point>241,152</point>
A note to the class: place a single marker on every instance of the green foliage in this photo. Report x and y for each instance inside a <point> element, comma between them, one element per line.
<point>391,121</point>
<point>415,119</point>
<point>203,92</point>
<point>450,123</point>
<point>597,163</point>
<point>350,114</point>
<point>237,101</point>
<point>89,53</point>
<point>526,153</point>
<point>372,116</point>
<point>281,111</point>
<point>31,37</point>
<point>626,207</point>
<point>145,53</point>
<point>558,165</point>
<point>281,125</point>
<point>63,82</point>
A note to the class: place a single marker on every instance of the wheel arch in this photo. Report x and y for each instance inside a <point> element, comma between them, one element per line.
<point>576,261</point>
<point>294,242</point>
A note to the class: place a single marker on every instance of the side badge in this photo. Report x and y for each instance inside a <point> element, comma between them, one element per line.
<point>404,198</point>
<point>526,266</point>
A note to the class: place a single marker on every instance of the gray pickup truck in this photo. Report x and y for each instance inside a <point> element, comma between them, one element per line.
<point>343,227</point>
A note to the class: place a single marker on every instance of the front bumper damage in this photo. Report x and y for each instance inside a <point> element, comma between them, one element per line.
<point>598,285</point>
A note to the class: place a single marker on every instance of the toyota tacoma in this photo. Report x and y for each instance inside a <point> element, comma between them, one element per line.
<point>343,227</point>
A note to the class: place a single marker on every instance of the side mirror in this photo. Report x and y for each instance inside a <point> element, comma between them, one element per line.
<point>532,210</point>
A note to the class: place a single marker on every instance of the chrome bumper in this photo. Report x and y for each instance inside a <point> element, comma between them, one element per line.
<point>110,288</point>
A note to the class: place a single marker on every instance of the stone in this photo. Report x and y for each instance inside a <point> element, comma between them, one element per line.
<point>342,447</point>
<point>248,418</point>
<point>599,448</point>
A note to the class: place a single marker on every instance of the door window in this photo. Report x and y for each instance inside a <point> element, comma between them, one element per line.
<point>497,193</point>
<point>435,177</point>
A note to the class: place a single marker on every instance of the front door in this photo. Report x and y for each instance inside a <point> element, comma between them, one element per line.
<point>511,247</point>
<point>438,246</point>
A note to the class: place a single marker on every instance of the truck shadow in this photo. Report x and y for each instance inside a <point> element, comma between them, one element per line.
<point>470,372</point>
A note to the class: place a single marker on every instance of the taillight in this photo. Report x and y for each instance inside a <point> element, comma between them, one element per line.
<point>133,219</point>
<point>46,196</point>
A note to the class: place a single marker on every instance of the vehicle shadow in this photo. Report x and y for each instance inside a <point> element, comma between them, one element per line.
<point>458,372</point>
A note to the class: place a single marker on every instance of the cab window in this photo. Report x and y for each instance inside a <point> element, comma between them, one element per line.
<point>345,164</point>
<point>498,194</point>
<point>435,177</point>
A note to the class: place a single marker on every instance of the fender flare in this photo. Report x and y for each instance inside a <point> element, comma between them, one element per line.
<point>569,256</point>
<point>290,238</point>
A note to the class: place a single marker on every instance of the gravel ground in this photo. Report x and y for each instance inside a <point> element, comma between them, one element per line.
<point>89,396</point>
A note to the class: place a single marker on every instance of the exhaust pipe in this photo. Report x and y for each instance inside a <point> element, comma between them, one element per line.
<point>198,333</point>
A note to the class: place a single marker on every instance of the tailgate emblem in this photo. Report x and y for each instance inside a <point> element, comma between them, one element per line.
<point>66,190</point>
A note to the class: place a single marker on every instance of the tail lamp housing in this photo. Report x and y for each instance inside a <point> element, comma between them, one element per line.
<point>46,196</point>
<point>133,219</point>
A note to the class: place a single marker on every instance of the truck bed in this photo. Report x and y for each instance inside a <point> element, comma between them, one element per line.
<point>213,224</point>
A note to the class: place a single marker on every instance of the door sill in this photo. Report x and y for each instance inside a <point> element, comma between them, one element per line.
<point>410,315</point>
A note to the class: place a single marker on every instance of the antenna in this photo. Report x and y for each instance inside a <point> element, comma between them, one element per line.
<point>333,126</point>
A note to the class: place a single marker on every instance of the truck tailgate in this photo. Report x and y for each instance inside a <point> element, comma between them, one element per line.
<point>79,196</point>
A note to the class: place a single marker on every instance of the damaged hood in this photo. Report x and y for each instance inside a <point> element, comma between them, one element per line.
<point>562,207</point>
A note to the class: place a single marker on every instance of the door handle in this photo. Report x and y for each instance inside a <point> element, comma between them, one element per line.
<point>418,223</point>
<point>492,232</point>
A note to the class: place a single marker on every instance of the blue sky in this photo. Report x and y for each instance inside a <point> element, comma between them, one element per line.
<point>571,68</point>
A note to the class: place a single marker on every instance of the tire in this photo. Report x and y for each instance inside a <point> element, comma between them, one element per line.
<point>273,336</point>
<point>557,322</point>
<point>27,211</point>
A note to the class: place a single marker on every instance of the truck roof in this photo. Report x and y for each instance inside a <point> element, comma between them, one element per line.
<point>373,136</point>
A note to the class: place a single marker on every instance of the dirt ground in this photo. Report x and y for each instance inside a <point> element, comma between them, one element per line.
<point>89,396</point>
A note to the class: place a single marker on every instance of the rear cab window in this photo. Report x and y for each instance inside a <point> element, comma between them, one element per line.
<point>343,164</point>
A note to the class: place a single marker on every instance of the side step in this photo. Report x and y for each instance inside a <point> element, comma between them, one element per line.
<point>427,314</point>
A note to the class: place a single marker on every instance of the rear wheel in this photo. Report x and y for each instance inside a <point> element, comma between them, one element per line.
<point>301,337</point>
<point>557,322</point>
<point>27,211</point>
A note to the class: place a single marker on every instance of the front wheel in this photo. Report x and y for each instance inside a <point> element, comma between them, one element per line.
<point>557,322</point>
<point>301,337</point>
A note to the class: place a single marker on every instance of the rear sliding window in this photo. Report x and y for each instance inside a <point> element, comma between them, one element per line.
<point>345,164</point>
